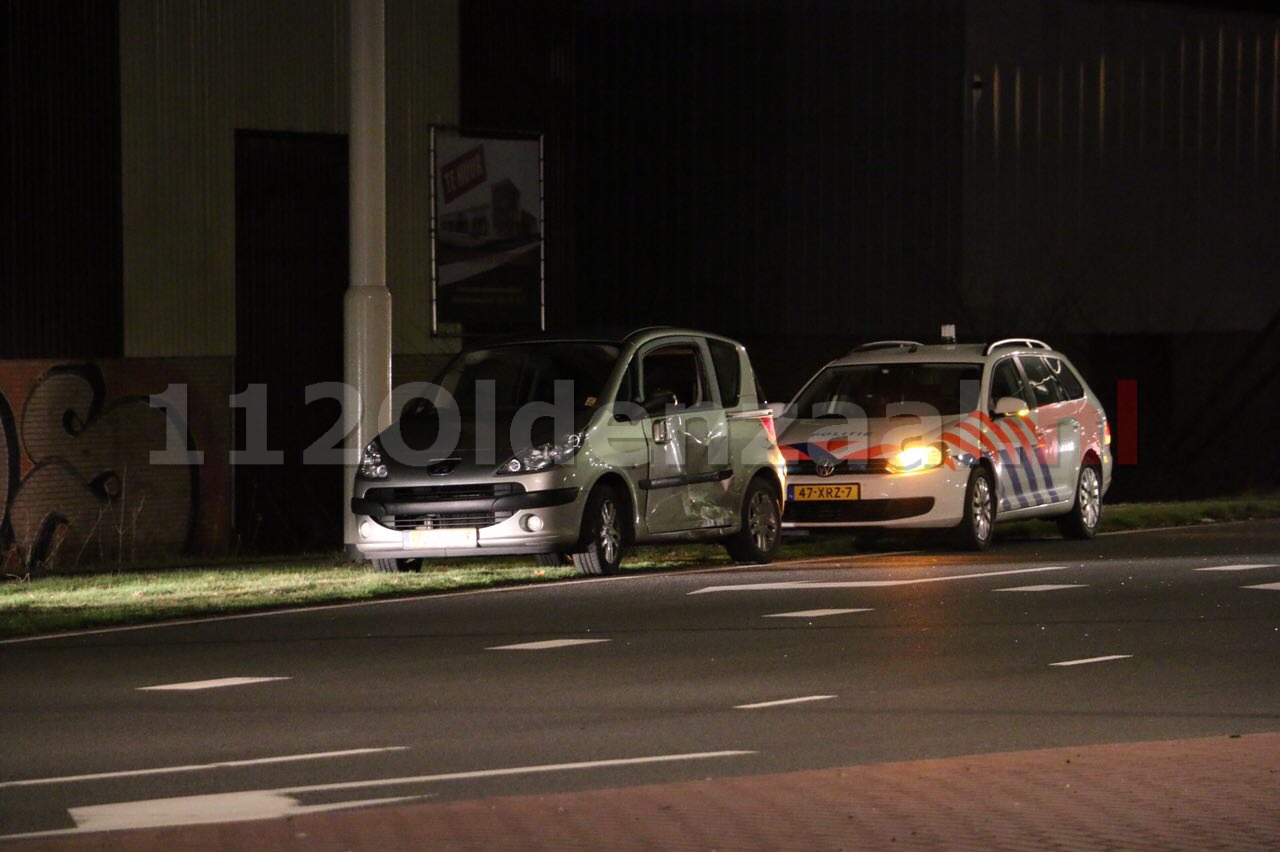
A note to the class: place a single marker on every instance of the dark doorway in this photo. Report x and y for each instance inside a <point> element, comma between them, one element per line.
<point>291,273</point>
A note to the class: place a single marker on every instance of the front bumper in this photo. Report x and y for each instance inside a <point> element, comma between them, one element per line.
<point>403,526</point>
<point>920,500</point>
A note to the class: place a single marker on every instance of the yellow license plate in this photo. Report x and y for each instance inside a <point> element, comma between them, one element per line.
<point>432,539</point>
<point>826,492</point>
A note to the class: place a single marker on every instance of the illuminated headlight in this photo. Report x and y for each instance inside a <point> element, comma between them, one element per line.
<point>372,465</point>
<point>917,457</point>
<point>543,456</point>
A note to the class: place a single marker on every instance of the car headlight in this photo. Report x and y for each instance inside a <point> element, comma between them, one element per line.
<point>542,456</point>
<point>917,457</point>
<point>372,465</point>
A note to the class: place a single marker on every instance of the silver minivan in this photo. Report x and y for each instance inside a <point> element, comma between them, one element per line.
<point>571,449</point>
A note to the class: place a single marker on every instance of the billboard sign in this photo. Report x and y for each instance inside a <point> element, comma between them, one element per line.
<point>486,234</point>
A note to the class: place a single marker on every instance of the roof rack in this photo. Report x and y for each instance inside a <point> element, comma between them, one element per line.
<point>885,344</point>
<point>1024,342</point>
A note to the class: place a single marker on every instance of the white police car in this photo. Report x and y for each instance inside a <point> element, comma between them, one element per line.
<point>898,434</point>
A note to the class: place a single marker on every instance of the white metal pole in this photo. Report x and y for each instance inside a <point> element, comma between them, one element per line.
<point>367,305</point>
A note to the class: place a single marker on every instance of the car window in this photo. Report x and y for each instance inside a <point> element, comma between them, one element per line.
<point>1068,381</point>
<point>1007,381</point>
<point>677,370</point>
<point>522,374</point>
<point>724,357</point>
<point>1043,384</point>
<point>879,390</point>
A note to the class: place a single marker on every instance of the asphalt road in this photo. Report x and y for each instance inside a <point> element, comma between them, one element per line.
<point>592,684</point>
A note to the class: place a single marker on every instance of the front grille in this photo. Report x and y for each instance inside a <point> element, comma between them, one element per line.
<point>807,467</point>
<point>444,521</point>
<point>856,511</point>
<point>420,493</point>
<point>409,507</point>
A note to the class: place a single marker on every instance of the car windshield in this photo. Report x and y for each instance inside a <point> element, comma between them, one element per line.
<point>885,390</point>
<point>528,373</point>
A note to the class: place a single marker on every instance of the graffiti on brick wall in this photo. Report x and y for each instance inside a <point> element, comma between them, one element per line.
<point>80,491</point>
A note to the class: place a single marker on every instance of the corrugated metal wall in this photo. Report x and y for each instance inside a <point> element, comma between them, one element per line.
<point>1122,168</point>
<point>1122,200</point>
<point>192,73</point>
<point>754,167</point>
<point>768,167</point>
<point>195,72</point>
<point>60,261</point>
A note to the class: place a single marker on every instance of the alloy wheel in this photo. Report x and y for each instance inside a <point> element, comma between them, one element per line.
<point>610,537</point>
<point>1090,497</point>
<point>982,508</point>
<point>762,518</point>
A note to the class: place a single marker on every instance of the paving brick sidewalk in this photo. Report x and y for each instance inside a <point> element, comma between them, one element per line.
<point>1215,793</point>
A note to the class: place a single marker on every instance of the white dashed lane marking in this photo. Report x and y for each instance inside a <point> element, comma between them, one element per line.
<point>198,767</point>
<point>815,613</point>
<point>1274,587</point>
<point>781,702</point>
<point>208,684</point>
<point>1088,660</point>
<point>866,584</point>
<point>546,644</point>
<point>1235,567</point>
<point>1047,587</point>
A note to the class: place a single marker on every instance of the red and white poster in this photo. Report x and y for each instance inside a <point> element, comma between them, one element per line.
<point>486,227</point>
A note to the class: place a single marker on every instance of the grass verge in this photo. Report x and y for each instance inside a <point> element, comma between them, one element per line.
<point>49,604</point>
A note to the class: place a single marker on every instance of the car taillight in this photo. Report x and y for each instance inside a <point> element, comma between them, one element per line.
<point>767,420</point>
<point>1106,433</point>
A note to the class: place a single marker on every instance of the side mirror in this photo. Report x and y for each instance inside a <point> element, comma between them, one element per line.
<point>1011,405</point>
<point>626,411</point>
<point>415,407</point>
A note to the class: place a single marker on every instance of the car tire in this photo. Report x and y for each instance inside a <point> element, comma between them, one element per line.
<point>1086,509</point>
<point>602,525</point>
<point>552,560</point>
<point>396,566</point>
<point>975,528</point>
<point>761,533</point>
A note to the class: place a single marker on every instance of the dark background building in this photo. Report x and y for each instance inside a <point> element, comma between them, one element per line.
<point>1103,175</point>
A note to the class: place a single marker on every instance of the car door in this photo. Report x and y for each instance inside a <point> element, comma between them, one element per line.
<point>687,433</point>
<point>1059,430</point>
<point>1011,438</point>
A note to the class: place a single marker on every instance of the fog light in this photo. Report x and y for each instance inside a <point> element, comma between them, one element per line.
<point>366,529</point>
<point>531,523</point>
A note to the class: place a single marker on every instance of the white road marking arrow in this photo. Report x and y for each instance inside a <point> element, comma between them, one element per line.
<point>265,804</point>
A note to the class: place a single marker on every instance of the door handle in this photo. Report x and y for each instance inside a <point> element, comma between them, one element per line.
<point>662,431</point>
